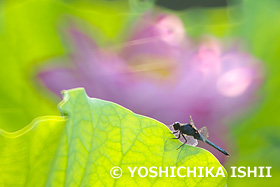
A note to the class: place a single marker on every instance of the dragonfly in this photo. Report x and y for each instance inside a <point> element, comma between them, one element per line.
<point>193,134</point>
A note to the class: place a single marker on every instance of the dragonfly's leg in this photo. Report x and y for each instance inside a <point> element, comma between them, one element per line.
<point>174,132</point>
<point>184,138</point>
<point>177,137</point>
<point>183,143</point>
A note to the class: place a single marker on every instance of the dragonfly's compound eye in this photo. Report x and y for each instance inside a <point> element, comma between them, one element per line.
<point>176,125</point>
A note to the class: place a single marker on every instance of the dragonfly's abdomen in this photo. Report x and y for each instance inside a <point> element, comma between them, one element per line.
<point>217,147</point>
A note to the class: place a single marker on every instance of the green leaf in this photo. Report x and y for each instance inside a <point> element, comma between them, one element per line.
<point>97,136</point>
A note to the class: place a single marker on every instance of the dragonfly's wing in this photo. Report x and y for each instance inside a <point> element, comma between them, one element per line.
<point>191,120</point>
<point>204,132</point>
<point>190,140</point>
<point>170,127</point>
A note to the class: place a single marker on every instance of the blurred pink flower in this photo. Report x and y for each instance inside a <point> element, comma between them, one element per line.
<point>159,72</point>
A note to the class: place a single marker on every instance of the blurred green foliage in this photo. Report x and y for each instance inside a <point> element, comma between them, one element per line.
<point>256,136</point>
<point>256,25</point>
<point>30,33</point>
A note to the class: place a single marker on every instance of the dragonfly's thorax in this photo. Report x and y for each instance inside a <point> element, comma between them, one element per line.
<point>188,129</point>
<point>197,135</point>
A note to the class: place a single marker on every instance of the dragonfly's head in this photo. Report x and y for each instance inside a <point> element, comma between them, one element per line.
<point>176,126</point>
